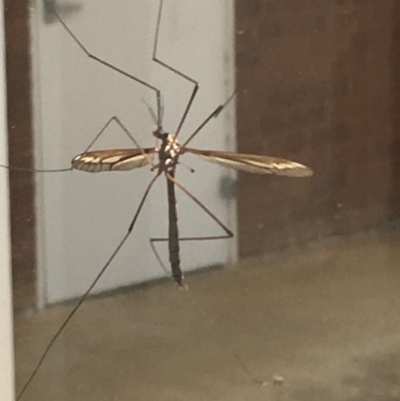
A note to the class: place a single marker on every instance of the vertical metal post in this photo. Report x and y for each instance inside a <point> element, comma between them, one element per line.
<point>6,321</point>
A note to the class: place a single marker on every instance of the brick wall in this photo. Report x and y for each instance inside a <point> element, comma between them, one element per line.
<point>20,139</point>
<point>318,83</point>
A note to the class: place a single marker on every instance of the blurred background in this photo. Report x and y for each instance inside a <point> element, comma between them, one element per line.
<point>309,304</point>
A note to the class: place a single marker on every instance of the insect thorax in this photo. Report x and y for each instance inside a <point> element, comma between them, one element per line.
<point>168,150</point>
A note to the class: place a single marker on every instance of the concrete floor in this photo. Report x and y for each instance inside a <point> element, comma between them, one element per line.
<point>326,319</point>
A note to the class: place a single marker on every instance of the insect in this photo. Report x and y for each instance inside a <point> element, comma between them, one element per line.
<point>163,159</point>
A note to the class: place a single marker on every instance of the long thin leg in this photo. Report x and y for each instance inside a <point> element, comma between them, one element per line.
<point>174,70</point>
<point>126,131</point>
<point>113,67</point>
<point>206,238</point>
<point>229,233</point>
<point>33,170</point>
<point>88,291</point>
<point>214,114</point>
<point>157,255</point>
<point>106,125</point>
<point>202,206</point>
<point>173,236</point>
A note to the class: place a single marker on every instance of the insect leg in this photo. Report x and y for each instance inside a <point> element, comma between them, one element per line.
<point>214,114</point>
<point>174,70</point>
<point>33,170</point>
<point>126,131</point>
<point>116,120</point>
<point>111,66</point>
<point>157,255</point>
<point>88,291</point>
<point>173,233</point>
<point>229,233</point>
<point>173,237</point>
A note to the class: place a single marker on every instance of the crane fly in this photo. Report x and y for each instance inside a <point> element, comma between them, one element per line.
<point>168,154</point>
<point>163,159</point>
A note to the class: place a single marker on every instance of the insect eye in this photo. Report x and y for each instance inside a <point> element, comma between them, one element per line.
<point>159,133</point>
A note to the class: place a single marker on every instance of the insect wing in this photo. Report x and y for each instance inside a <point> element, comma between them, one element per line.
<point>253,163</point>
<point>113,160</point>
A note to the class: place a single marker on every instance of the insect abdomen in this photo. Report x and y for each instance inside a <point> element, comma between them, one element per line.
<point>173,237</point>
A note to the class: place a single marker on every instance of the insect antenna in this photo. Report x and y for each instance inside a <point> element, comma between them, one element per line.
<point>162,108</point>
<point>151,111</point>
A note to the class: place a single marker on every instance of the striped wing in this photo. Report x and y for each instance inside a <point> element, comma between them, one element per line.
<point>253,163</point>
<point>112,160</point>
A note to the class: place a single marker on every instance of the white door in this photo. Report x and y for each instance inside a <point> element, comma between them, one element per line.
<point>81,216</point>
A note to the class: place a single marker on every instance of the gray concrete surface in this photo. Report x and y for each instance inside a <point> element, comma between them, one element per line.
<point>325,319</point>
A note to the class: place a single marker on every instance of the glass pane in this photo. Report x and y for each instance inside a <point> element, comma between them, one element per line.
<point>301,304</point>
